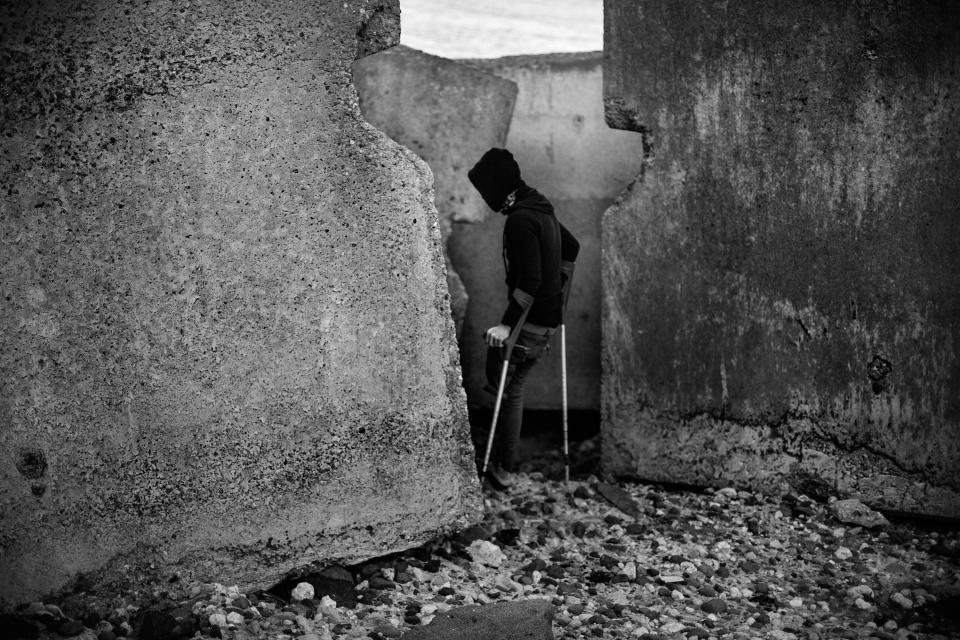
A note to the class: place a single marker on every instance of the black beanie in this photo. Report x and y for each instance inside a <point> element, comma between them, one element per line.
<point>495,176</point>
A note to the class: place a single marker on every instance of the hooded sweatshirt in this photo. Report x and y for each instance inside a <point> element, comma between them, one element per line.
<point>538,255</point>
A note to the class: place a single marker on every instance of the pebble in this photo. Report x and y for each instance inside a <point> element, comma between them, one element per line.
<point>715,606</point>
<point>843,553</point>
<point>486,553</point>
<point>902,600</point>
<point>303,591</point>
<point>724,564</point>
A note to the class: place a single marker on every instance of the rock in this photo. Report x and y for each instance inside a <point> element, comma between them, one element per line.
<point>486,553</point>
<point>519,620</point>
<point>234,618</point>
<point>217,620</point>
<point>749,566</point>
<point>620,499</point>
<point>381,584</point>
<point>901,600</point>
<point>303,591</point>
<point>555,571</point>
<point>854,512</point>
<point>842,553</point>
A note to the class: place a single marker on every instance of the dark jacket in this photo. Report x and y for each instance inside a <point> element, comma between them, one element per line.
<point>538,255</point>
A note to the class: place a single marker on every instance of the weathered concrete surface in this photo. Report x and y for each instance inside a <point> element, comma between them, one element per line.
<point>449,114</point>
<point>780,287</point>
<point>226,345</point>
<point>566,151</point>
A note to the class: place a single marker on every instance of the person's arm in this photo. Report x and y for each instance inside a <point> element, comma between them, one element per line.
<point>522,244</point>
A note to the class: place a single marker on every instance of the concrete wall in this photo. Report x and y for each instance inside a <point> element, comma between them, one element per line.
<point>781,302</point>
<point>448,114</point>
<point>566,151</point>
<point>226,345</point>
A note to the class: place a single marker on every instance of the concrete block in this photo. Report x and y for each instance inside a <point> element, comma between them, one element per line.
<point>783,275</point>
<point>226,342</point>
<point>449,115</point>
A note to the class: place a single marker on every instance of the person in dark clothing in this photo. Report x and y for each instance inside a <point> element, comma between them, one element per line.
<point>538,256</point>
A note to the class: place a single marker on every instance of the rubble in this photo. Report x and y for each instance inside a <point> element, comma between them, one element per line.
<point>671,564</point>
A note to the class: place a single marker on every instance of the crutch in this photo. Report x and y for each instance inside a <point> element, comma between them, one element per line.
<point>510,342</point>
<point>563,377</point>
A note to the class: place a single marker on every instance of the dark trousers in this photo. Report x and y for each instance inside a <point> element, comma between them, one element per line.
<point>527,351</point>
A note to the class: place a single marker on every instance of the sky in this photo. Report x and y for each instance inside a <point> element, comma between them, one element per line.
<point>496,28</point>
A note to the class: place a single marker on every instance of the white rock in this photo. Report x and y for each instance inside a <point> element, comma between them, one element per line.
<point>486,553</point>
<point>234,618</point>
<point>218,620</point>
<point>891,625</point>
<point>420,575</point>
<point>388,573</point>
<point>303,591</point>
<point>860,591</point>
<point>842,553</point>
<point>504,583</point>
<point>862,604</point>
<point>796,603</point>
<point>630,570</point>
<point>856,513</point>
<point>902,600</point>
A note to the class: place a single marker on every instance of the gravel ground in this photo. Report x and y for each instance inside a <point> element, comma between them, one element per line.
<point>666,564</point>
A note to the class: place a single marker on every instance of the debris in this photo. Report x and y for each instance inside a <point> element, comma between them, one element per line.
<point>856,513</point>
<point>303,591</point>
<point>620,499</point>
<point>486,553</point>
<point>691,565</point>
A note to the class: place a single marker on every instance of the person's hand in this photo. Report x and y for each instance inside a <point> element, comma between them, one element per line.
<point>495,336</point>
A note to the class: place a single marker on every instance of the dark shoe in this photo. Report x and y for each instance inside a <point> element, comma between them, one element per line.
<point>499,478</point>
